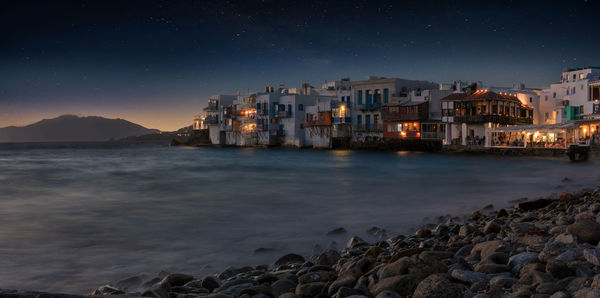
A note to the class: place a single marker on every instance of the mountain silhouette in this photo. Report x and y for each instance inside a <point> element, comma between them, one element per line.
<point>73,128</point>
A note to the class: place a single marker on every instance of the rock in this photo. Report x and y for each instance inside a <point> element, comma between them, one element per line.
<point>311,289</point>
<point>398,267</point>
<point>328,258</point>
<point>566,238</point>
<point>404,285</point>
<point>522,227</point>
<point>468,277</point>
<point>210,283</point>
<point>559,295</point>
<point>488,247</point>
<point>373,251</point>
<point>377,231</point>
<point>290,259</point>
<point>283,286</point>
<point>178,279</point>
<point>388,294</point>
<point>477,215</point>
<point>254,291</point>
<point>502,281</point>
<point>533,205</point>
<point>523,258</point>
<point>548,288</point>
<point>437,286</point>
<point>346,281</point>
<point>587,293</point>
<point>463,251</point>
<point>492,227</point>
<point>558,269</point>
<point>319,276</point>
<point>564,220</point>
<point>356,242</point>
<point>337,231</point>
<point>491,268</point>
<point>289,295</point>
<point>592,256</point>
<point>502,213</point>
<point>105,290</point>
<point>423,233</point>
<point>568,197</point>
<point>466,230</point>
<point>586,231</point>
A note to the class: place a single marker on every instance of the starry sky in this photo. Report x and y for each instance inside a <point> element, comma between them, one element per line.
<point>156,62</point>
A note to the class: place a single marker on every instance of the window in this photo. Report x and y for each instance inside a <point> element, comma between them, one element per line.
<point>546,98</point>
<point>386,95</point>
<point>581,86</point>
<point>573,90</point>
<point>580,109</point>
<point>375,119</point>
<point>360,93</point>
<point>300,107</point>
<point>359,119</point>
<point>574,77</point>
<point>581,76</point>
<point>554,95</point>
<point>547,116</point>
<point>367,119</point>
<point>531,99</point>
<point>290,108</point>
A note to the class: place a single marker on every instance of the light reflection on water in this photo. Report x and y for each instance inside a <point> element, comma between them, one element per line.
<point>74,219</point>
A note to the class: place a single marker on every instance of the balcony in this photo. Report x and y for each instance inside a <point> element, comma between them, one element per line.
<point>211,120</point>
<point>282,114</point>
<point>508,120</point>
<point>368,127</point>
<point>341,120</point>
<point>369,106</point>
<point>212,107</point>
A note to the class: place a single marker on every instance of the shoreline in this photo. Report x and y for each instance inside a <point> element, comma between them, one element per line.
<point>546,247</point>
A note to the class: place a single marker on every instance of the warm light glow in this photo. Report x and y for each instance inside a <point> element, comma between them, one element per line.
<point>343,108</point>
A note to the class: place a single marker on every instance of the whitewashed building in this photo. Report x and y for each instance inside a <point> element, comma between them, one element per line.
<point>575,95</point>
<point>214,116</point>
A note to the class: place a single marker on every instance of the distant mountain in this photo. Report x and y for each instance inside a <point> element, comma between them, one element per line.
<point>73,128</point>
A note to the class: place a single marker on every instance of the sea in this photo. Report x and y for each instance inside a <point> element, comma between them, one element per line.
<point>77,216</point>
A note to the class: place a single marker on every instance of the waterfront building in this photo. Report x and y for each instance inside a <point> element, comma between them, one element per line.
<point>290,114</point>
<point>575,96</point>
<point>240,121</point>
<point>268,130</point>
<point>470,116</point>
<point>214,116</point>
<point>370,95</point>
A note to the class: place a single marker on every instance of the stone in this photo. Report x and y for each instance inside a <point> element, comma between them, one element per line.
<point>466,230</point>
<point>388,294</point>
<point>558,269</point>
<point>337,231</point>
<point>592,256</point>
<point>568,197</point>
<point>502,281</point>
<point>463,251</point>
<point>437,286</point>
<point>548,288</point>
<point>356,242</point>
<point>564,220</point>
<point>311,289</point>
<point>328,258</point>
<point>319,276</point>
<point>522,227</point>
<point>523,258</point>
<point>423,233</point>
<point>290,259</point>
<point>468,277</point>
<point>488,247</point>
<point>105,290</point>
<point>492,227</point>
<point>210,283</point>
<point>566,238</point>
<point>560,294</point>
<point>586,231</point>
<point>398,267</point>
<point>534,205</point>
<point>404,285</point>
<point>477,215</point>
<point>346,281</point>
<point>374,251</point>
<point>502,213</point>
<point>587,293</point>
<point>178,279</point>
<point>491,268</point>
<point>283,286</point>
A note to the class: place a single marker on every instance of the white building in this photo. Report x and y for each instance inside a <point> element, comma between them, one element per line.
<point>214,116</point>
<point>575,95</point>
<point>290,114</point>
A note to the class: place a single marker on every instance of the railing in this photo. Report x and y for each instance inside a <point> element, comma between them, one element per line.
<point>368,127</point>
<point>494,119</point>
<point>338,120</point>
<point>211,107</point>
<point>369,106</point>
<point>318,122</point>
<point>432,135</point>
<point>262,112</point>
<point>337,104</point>
<point>282,114</point>
<point>211,120</point>
<point>414,116</point>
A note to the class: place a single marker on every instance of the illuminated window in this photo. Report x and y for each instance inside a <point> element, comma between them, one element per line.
<point>581,76</point>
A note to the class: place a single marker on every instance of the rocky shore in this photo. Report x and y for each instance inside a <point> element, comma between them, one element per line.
<point>542,248</point>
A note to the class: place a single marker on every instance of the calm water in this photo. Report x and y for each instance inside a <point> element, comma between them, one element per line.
<point>74,219</point>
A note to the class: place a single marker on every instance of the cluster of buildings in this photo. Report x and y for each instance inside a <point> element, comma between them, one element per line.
<point>401,112</point>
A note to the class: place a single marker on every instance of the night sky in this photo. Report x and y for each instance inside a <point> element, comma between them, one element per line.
<point>156,62</point>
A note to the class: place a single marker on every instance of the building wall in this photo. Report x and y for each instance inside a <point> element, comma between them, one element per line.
<point>214,133</point>
<point>574,87</point>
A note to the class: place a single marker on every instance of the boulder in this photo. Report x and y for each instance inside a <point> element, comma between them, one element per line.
<point>586,231</point>
<point>337,231</point>
<point>437,286</point>
<point>210,283</point>
<point>311,289</point>
<point>492,227</point>
<point>592,256</point>
<point>523,258</point>
<point>533,205</point>
<point>346,281</point>
<point>468,277</point>
<point>290,259</point>
<point>404,285</point>
<point>283,286</point>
